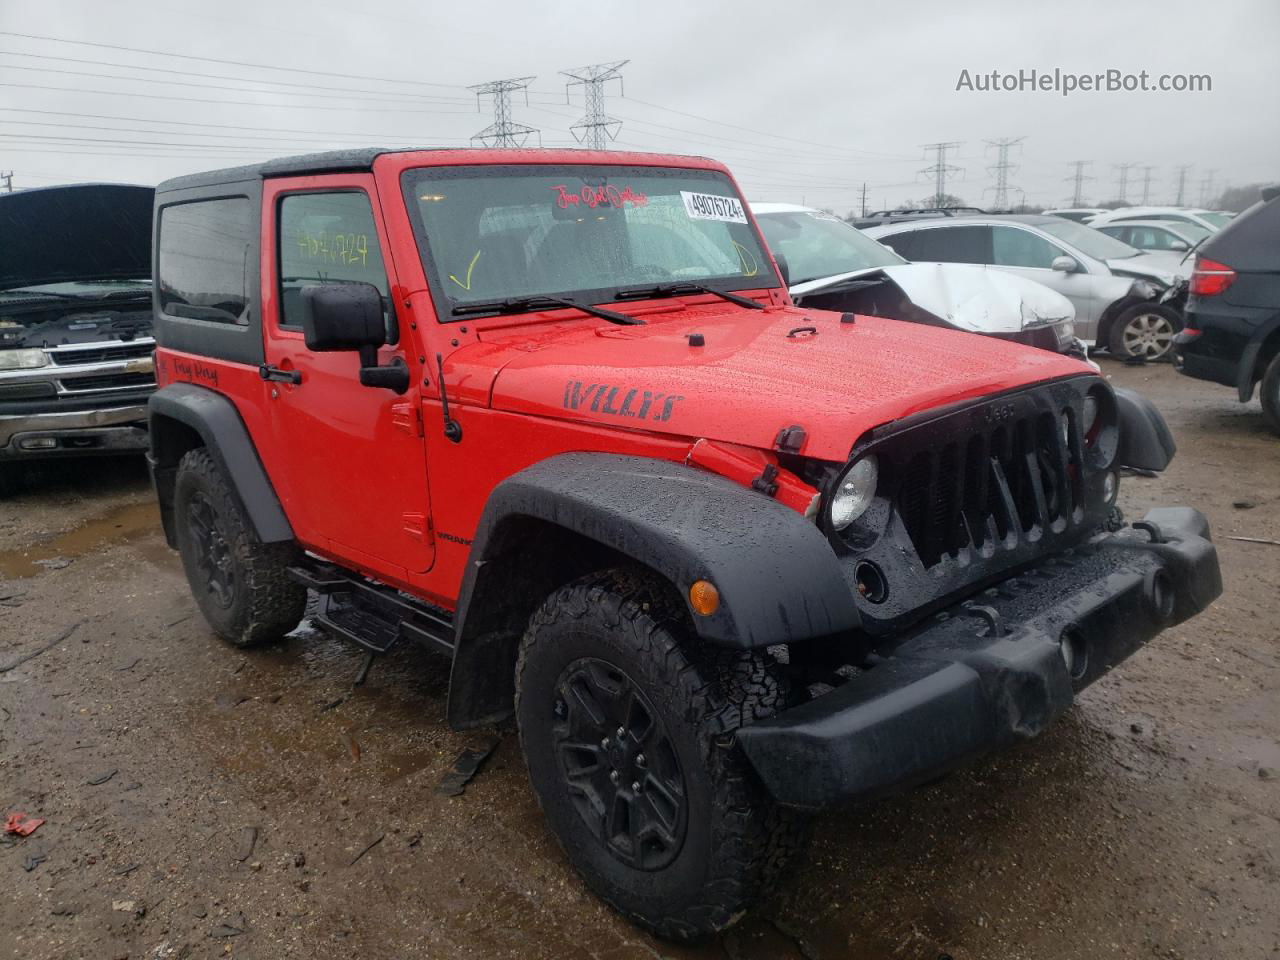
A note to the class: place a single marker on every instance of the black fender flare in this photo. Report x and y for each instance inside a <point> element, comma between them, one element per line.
<point>778,578</point>
<point>1146,442</point>
<point>1248,363</point>
<point>221,429</point>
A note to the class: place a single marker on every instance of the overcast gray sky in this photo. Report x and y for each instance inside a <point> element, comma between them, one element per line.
<point>804,100</point>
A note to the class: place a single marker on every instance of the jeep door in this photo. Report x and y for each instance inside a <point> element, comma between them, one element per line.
<point>353,456</point>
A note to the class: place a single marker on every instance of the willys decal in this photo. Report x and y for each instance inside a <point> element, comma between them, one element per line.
<point>629,402</point>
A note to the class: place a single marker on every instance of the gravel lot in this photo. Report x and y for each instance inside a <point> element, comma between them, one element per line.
<point>203,802</point>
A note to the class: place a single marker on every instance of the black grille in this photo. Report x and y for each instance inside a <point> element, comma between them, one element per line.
<point>109,381</point>
<point>101,354</point>
<point>1015,480</point>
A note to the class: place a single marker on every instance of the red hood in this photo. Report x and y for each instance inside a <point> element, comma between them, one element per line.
<point>750,379</point>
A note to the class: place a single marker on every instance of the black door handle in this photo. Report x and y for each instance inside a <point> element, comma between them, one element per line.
<point>268,372</point>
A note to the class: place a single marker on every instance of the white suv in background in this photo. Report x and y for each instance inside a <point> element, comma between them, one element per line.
<point>1115,288</point>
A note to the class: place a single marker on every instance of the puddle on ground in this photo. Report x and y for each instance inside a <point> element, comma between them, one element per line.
<point>116,526</point>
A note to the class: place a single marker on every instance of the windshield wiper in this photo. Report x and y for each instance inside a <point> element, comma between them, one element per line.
<point>526,304</point>
<point>675,289</point>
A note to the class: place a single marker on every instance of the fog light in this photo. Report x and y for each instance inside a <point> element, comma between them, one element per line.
<point>38,443</point>
<point>704,598</point>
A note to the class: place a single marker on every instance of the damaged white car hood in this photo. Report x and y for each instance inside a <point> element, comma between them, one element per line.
<point>967,296</point>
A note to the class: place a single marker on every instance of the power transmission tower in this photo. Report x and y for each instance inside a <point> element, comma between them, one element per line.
<point>503,132</point>
<point>1002,169</point>
<point>1182,184</point>
<point>1206,188</point>
<point>864,198</point>
<point>8,181</point>
<point>940,169</point>
<point>1122,181</point>
<point>1078,178</point>
<point>596,128</point>
<point>1146,184</point>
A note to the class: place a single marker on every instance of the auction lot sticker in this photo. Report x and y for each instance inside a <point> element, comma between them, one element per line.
<point>708,206</point>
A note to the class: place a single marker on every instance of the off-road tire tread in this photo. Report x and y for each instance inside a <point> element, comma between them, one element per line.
<point>723,690</point>
<point>276,602</point>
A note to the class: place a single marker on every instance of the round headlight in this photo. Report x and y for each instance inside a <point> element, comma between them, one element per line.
<point>854,493</point>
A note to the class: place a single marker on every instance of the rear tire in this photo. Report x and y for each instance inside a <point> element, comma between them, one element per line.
<point>239,583</point>
<point>628,735</point>
<point>1143,331</point>
<point>1269,391</point>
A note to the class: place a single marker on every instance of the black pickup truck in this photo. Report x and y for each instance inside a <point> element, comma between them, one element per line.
<point>76,349</point>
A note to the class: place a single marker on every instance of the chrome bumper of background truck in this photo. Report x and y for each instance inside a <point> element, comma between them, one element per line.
<point>119,429</point>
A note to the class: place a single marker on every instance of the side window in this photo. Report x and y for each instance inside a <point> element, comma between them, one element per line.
<point>903,244</point>
<point>327,238</point>
<point>952,245</point>
<point>203,260</point>
<point>1012,247</point>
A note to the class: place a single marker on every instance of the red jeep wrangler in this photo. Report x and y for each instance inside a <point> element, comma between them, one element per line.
<point>726,562</point>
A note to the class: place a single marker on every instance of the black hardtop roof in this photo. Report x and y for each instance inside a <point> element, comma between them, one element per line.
<point>329,161</point>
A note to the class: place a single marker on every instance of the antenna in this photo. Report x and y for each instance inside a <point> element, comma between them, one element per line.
<point>596,128</point>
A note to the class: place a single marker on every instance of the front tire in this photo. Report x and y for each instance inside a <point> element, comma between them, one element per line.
<point>628,738</point>
<point>1144,331</point>
<point>1270,394</point>
<point>239,582</point>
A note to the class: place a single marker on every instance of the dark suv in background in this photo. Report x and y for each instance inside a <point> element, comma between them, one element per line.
<point>1232,334</point>
<point>75,323</point>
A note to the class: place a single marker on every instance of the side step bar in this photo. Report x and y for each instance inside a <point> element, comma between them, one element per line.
<point>372,615</point>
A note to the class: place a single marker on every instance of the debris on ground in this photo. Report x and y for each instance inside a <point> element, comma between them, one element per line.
<point>21,824</point>
<point>367,847</point>
<point>248,840</point>
<point>101,778</point>
<point>5,668</point>
<point>1270,543</point>
<point>33,860</point>
<point>465,767</point>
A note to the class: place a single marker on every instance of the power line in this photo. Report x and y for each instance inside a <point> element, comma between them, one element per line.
<point>1182,184</point>
<point>503,132</point>
<point>1002,169</point>
<point>596,128</point>
<point>234,63</point>
<point>326,93</point>
<point>1146,183</point>
<point>940,169</point>
<point>237,103</point>
<point>1206,188</point>
<point>1122,181</point>
<point>1078,178</point>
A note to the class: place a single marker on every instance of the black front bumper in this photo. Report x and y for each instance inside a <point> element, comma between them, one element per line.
<point>992,670</point>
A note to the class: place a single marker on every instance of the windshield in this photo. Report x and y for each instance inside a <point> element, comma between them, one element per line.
<point>1219,220</point>
<point>1090,242</point>
<point>491,233</point>
<point>819,245</point>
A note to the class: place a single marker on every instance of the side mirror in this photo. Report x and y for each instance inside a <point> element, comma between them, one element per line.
<point>784,269</point>
<point>1179,245</point>
<point>348,316</point>
<point>342,316</point>
<point>1065,264</point>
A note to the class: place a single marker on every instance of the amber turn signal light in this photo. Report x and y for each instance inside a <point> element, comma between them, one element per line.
<point>704,598</point>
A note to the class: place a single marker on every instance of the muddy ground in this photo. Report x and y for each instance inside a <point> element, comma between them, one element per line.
<point>204,802</point>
